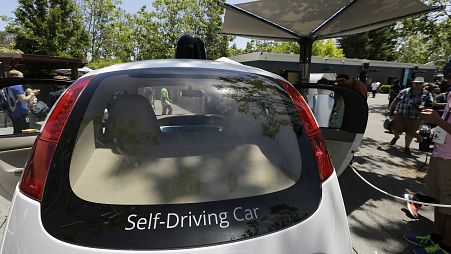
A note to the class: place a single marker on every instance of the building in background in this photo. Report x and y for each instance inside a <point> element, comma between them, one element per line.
<point>287,65</point>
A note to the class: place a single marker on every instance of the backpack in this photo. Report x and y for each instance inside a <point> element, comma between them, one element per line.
<point>39,108</point>
<point>7,100</point>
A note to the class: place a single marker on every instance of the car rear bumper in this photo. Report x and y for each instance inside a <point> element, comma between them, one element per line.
<point>326,231</point>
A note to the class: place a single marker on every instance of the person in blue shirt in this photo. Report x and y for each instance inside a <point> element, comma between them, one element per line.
<point>18,103</point>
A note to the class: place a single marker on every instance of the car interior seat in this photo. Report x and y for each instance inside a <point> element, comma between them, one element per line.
<point>132,126</point>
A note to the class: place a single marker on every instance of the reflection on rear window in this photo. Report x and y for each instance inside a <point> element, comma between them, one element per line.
<point>169,140</point>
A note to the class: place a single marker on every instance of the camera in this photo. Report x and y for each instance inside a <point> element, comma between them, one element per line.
<point>425,133</point>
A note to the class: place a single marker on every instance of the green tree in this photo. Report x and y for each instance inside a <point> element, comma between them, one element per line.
<point>173,19</point>
<point>6,40</point>
<point>287,47</point>
<point>420,39</point>
<point>147,42</point>
<point>379,44</point>
<point>234,51</point>
<point>320,48</point>
<point>102,19</point>
<point>121,42</point>
<point>208,25</point>
<point>355,46</point>
<point>100,63</point>
<point>202,17</point>
<point>426,38</point>
<point>49,27</point>
<point>326,48</point>
<point>382,44</point>
<point>414,50</point>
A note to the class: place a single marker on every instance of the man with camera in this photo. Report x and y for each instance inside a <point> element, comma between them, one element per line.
<point>438,183</point>
<point>407,104</point>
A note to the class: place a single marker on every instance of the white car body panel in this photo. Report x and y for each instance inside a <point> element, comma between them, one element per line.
<point>344,152</point>
<point>326,231</point>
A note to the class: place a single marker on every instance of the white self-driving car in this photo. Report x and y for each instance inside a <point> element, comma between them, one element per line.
<point>186,156</point>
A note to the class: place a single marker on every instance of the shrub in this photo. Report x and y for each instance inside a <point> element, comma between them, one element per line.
<point>384,88</point>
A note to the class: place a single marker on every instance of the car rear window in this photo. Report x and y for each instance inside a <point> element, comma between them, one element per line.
<point>182,139</point>
<point>183,156</point>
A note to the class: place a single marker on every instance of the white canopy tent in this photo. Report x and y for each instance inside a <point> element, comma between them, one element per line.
<point>307,20</point>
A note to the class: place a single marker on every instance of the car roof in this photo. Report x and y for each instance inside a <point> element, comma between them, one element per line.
<point>184,63</point>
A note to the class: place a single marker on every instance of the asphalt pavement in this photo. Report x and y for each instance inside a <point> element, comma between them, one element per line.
<point>377,222</point>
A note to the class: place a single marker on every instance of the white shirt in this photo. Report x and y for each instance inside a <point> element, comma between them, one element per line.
<point>374,85</point>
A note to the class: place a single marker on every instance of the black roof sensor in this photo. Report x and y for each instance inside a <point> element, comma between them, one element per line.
<point>190,46</point>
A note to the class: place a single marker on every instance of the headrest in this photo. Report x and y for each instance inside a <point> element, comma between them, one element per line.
<point>132,122</point>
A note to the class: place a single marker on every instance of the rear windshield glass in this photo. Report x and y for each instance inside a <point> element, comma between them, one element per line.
<point>173,138</point>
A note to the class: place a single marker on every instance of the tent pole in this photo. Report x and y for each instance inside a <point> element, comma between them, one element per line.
<point>305,59</point>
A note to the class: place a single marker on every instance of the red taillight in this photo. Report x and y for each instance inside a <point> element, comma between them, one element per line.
<point>310,124</point>
<point>312,130</point>
<point>59,115</point>
<point>35,172</point>
<point>323,162</point>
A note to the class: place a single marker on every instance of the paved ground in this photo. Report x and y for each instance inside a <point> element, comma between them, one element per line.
<point>377,222</point>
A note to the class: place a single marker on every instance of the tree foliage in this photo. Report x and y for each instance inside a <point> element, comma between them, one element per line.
<point>100,63</point>
<point>146,41</point>
<point>379,44</point>
<point>420,39</point>
<point>426,38</point>
<point>201,17</point>
<point>48,27</point>
<point>6,40</point>
<point>109,29</point>
<point>104,33</point>
<point>151,34</point>
<point>324,48</point>
<point>382,44</point>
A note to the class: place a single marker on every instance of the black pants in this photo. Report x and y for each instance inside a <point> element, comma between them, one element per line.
<point>19,124</point>
<point>374,93</point>
<point>167,110</point>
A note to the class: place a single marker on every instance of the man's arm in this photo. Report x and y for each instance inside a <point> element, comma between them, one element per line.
<point>23,98</point>
<point>26,98</point>
<point>393,105</point>
<point>397,99</point>
<point>428,100</point>
<point>433,117</point>
<point>438,105</point>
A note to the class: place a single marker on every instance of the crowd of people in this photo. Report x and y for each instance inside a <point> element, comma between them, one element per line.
<point>428,104</point>
<point>437,187</point>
